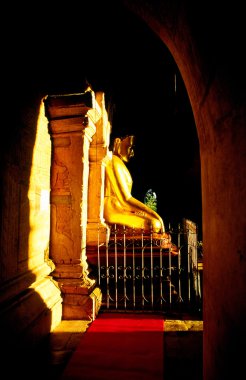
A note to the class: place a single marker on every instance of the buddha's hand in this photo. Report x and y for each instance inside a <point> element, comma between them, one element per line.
<point>140,213</point>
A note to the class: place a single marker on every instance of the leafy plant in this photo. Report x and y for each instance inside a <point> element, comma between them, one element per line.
<point>150,199</point>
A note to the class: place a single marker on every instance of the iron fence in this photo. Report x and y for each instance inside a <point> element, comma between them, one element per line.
<point>139,270</point>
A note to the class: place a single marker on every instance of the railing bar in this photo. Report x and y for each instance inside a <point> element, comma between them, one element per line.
<point>180,299</point>
<point>98,258</point>
<point>151,269</point>
<point>124,264</point>
<point>161,276</point>
<point>116,267</point>
<point>133,270</point>
<point>162,298</point>
<point>142,269</point>
<point>188,272</point>
<point>170,275</point>
<point>107,275</point>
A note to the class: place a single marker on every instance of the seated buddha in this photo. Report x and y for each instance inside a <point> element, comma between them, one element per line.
<point>120,207</point>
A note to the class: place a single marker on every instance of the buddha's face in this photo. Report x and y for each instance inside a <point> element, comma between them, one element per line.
<point>125,149</point>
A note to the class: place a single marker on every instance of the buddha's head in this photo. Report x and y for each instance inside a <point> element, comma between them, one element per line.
<point>123,147</point>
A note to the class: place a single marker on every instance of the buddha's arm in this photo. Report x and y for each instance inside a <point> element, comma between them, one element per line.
<point>120,180</point>
<point>144,211</point>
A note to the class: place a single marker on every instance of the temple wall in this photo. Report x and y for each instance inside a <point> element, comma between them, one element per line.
<point>30,300</point>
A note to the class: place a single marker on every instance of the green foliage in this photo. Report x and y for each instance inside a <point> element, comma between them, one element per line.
<point>200,249</point>
<point>150,199</point>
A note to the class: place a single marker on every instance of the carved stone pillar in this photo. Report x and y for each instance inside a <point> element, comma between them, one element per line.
<point>97,230</point>
<point>71,126</point>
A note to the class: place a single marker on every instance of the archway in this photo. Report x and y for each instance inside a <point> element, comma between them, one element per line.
<point>198,39</point>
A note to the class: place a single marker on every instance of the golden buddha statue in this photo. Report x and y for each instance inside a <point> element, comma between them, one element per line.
<point>120,207</point>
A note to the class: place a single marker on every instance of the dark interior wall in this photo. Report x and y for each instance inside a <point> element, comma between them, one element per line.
<point>58,49</point>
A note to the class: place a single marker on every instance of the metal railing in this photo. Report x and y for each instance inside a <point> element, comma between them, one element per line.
<point>137,270</point>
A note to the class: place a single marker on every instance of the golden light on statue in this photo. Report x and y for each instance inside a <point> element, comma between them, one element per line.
<point>120,207</point>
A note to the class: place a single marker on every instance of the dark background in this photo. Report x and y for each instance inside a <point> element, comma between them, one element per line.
<point>115,52</point>
<point>138,78</point>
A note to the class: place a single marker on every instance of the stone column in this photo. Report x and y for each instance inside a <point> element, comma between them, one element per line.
<point>97,230</point>
<point>71,126</point>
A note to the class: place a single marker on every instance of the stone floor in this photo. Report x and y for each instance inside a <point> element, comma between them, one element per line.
<point>182,347</point>
<point>63,341</point>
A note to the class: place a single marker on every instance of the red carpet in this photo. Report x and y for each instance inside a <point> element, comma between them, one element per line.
<point>119,346</point>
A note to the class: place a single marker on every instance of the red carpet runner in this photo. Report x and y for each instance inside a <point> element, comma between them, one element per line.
<point>119,346</point>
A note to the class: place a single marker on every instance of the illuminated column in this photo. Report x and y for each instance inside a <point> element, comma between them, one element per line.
<point>97,230</point>
<point>71,126</point>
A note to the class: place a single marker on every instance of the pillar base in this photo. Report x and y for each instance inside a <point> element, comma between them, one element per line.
<point>81,299</point>
<point>82,307</point>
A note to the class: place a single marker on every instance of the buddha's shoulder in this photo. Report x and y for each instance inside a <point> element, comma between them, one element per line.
<point>117,160</point>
